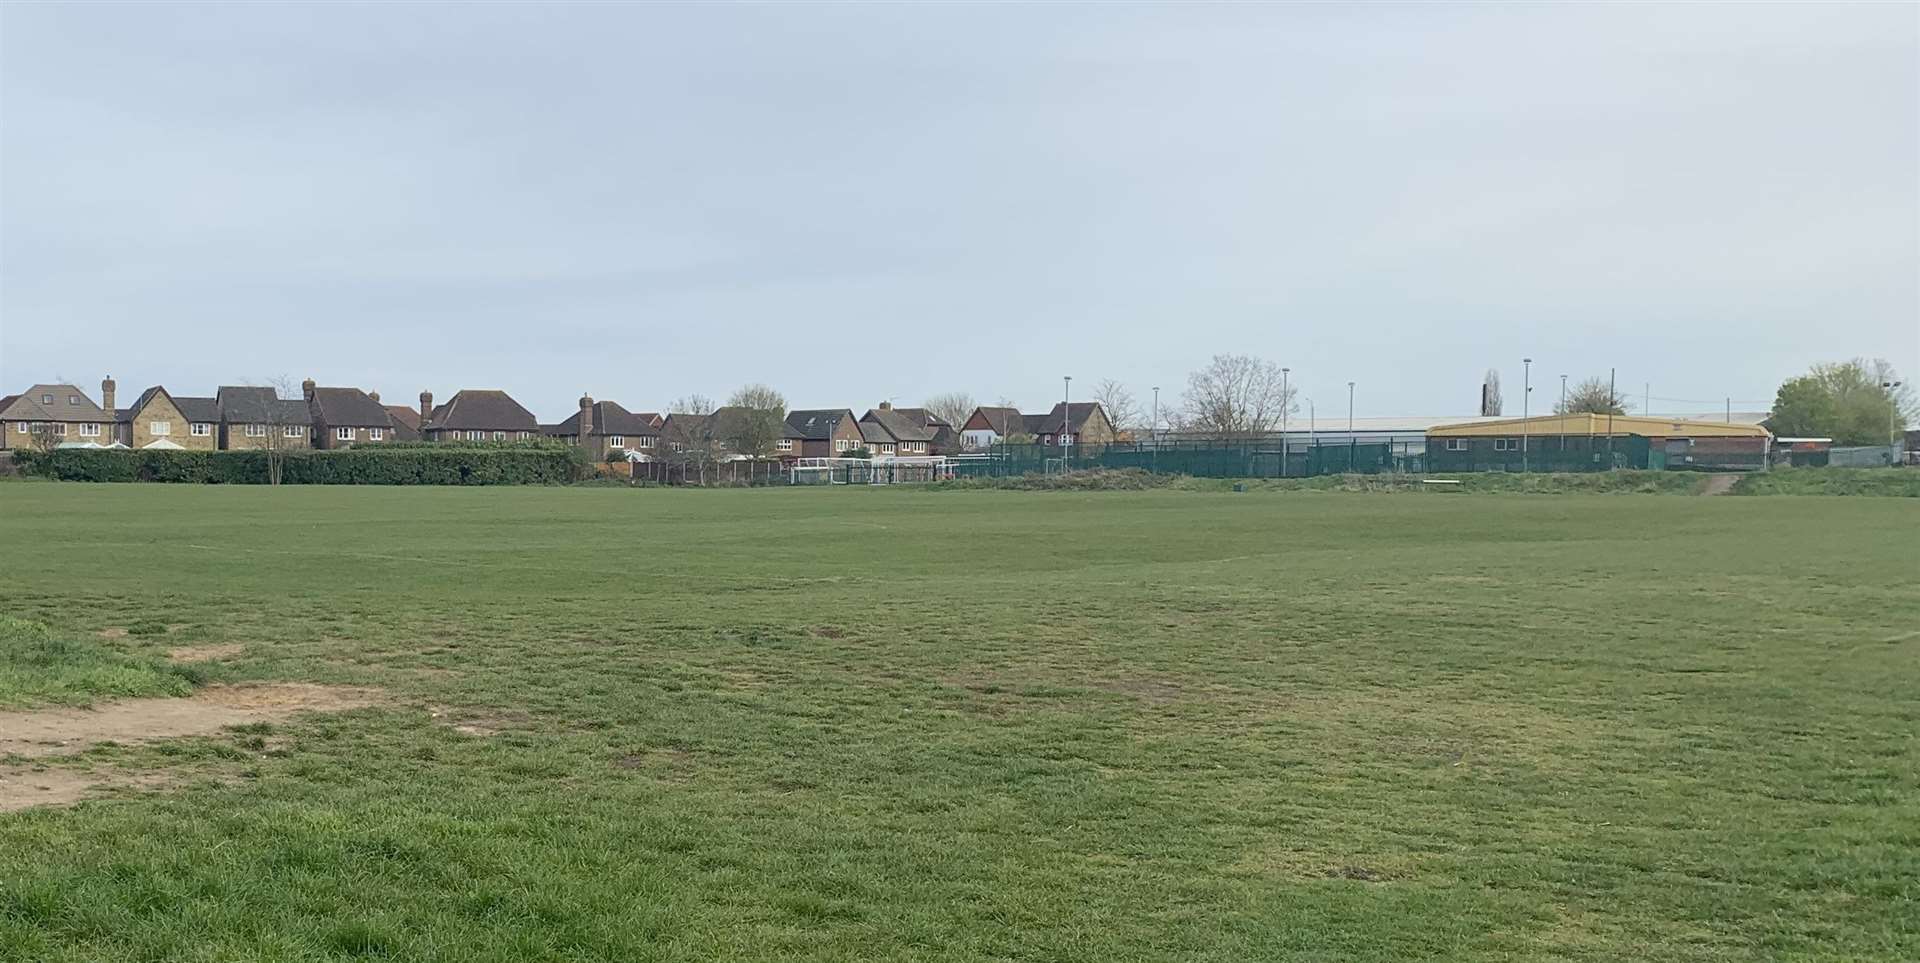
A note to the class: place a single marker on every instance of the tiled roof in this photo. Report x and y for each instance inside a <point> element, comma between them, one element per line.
<point>1003,421</point>
<point>817,424</point>
<point>60,405</point>
<point>611,419</point>
<point>484,410</point>
<point>349,408</point>
<point>896,424</point>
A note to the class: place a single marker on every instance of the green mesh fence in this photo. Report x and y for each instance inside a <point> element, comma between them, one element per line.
<point>1300,459</point>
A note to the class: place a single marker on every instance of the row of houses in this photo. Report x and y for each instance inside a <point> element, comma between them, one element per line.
<point>254,417</point>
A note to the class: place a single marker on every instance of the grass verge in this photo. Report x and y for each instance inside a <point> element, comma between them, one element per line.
<point>39,667</point>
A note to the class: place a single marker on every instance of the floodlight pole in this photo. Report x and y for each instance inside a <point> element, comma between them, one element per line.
<point>1563,395</point>
<point>1893,416</point>
<point>1286,401</point>
<point>1066,418</point>
<point>1154,431</point>
<point>1526,407</point>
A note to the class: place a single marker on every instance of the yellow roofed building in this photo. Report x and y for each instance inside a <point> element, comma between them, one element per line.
<point>1588,442</point>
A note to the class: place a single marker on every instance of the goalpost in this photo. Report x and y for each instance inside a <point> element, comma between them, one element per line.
<point>868,471</point>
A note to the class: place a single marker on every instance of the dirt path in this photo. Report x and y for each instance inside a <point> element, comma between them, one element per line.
<point>52,732</point>
<point>1719,484</point>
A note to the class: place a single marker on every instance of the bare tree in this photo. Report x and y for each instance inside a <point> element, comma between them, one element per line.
<point>1594,396</point>
<point>1122,409</point>
<point>759,397</point>
<point>693,404</point>
<point>279,418</point>
<point>1236,395</point>
<point>954,407</point>
<point>1490,403</point>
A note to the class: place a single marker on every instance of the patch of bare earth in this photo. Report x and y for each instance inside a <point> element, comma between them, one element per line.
<point>114,632</point>
<point>51,732</point>
<point>205,653</point>
<point>473,724</point>
<point>1719,484</point>
<point>23,788</point>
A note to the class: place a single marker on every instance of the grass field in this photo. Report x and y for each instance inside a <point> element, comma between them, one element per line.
<point>900,725</point>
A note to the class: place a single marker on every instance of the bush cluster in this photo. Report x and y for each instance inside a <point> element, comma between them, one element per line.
<point>387,465</point>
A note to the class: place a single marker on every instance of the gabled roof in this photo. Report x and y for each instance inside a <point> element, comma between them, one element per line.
<point>924,418</point>
<point>202,410</point>
<point>817,424</point>
<point>484,410</point>
<point>899,426</point>
<point>1003,421</point>
<point>1032,424</point>
<point>406,422</point>
<point>685,429</point>
<point>1049,423</point>
<point>27,406</point>
<point>873,433</point>
<point>255,405</point>
<point>348,408</point>
<point>611,419</point>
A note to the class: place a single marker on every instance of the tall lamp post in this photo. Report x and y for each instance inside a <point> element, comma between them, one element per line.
<point>1286,401</point>
<point>1893,419</point>
<point>1154,430</point>
<point>1353,444</point>
<point>1066,418</point>
<point>1563,396</point>
<point>1526,407</point>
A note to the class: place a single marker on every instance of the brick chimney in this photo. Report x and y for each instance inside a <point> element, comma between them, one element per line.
<point>306,390</point>
<point>586,419</point>
<point>426,406</point>
<point>106,395</point>
<point>375,395</point>
<point>886,406</point>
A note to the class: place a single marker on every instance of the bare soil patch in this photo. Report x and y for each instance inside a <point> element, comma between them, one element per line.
<point>113,632</point>
<point>52,732</point>
<point>474,724</point>
<point>205,653</point>
<point>1719,484</point>
<point>23,788</point>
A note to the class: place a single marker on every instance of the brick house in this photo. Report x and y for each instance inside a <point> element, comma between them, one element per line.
<point>64,413</point>
<point>876,439</point>
<point>604,428</point>
<point>825,432</point>
<point>989,426</point>
<point>255,418</point>
<point>406,421</point>
<point>946,438</point>
<point>1085,423</point>
<point>159,419</point>
<point>902,436</point>
<point>477,415</point>
<point>345,417</point>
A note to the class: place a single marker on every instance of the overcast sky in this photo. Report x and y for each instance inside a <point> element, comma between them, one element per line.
<point>857,202</point>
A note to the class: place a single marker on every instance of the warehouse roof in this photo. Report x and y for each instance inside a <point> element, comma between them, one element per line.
<point>1590,424</point>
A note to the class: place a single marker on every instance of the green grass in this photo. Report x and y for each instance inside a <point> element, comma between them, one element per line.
<point>1078,726</point>
<point>38,667</point>
<point>1897,482</point>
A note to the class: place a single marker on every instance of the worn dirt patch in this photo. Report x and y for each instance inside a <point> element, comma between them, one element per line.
<point>113,632</point>
<point>1719,484</point>
<point>22,788</point>
<point>52,732</point>
<point>205,653</point>
<point>476,724</point>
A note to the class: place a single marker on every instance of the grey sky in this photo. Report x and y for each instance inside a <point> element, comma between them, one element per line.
<point>857,202</point>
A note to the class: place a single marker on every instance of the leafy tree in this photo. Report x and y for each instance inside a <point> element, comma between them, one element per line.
<point>1594,396</point>
<point>1852,402</point>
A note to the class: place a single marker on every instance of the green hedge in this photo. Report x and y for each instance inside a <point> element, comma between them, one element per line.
<point>360,466</point>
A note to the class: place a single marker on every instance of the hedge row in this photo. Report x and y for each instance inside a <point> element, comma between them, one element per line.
<point>359,466</point>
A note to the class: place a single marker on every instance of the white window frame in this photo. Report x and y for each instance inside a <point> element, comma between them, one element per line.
<point>73,400</point>
<point>294,431</point>
<point>646,441</point>
<point>46,399</point>
<point>89,430</point>
<point>1506,444</point>
<point>1456,444</point>
<point>60,428</point>
<point>343,434</point>
<point>255,431</point>
<point>842,444</point>
<point>499,436</point>
<point>22,427</point>
<point>376,434</point>
<point>617,441</point>
<point>160,429</point>
<point>784,444</point>
<point>523,436</point>
<point>199,429</point>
